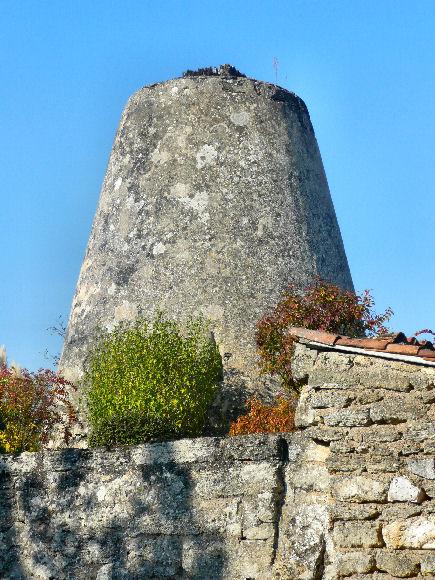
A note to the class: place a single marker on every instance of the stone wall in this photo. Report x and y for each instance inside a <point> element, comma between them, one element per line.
<point>376,419</point>
<point>349,495</point>
<point>207,508</point>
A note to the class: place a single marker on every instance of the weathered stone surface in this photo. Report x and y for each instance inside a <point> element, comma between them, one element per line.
<point>348,418</point>
<point>206,174</point>
<point>394,511</point>
<point>382,464</point>
<point>316,478</point>
<point>303,541</point>
<point>325,399</point>
<point>382,433</point>
<point>397,410</point>
<point>346,511</point>
<point>350,563</point>
<point>302,361</point>
<point>428,565</point>
<point>357,534</point>
<point>401,489</point>
<point>204,508</point>
<point>397,563</point>
<point>359,489</point>
<point>416,533</point>
<point>424,467</point>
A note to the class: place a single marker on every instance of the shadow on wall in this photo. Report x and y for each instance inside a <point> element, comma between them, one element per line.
<point>10,566</point>
<point>92,514</point>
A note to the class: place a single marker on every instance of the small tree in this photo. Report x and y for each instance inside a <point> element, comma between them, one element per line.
<point>151,381</point>
<point>31,406</point>
<point>320,306</point>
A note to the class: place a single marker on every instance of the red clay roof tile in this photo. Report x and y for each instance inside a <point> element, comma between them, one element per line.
<point>369,343</point>
<point>409,349</point>
<point>427,353</point>
<point>395,343</point>
<point>315,335</point>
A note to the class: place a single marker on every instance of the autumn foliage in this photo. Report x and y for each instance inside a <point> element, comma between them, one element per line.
<point>31,405</point>
<point>320,306</point>
<point>263,418</point>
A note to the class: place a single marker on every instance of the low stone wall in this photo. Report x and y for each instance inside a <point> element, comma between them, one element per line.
<point>204,508</point>
<point>376,419</point>
<point>349,495</point>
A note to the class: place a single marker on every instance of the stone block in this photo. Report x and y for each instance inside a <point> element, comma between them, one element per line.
<point>201,450</point>
<point>397,409</point>
<point>346,462</point>
<point>261,532</point>
<point>360,489</point>
<point>314,477</point>
<point>429,488</point>
<point>305,415</point>
<point>327,434</point>
<point>382,464</point>
<point>348,418</point>
<point>361,534</point>
<point>397,511</point>
<point>424,467</point>
<point>382,434</point>
<point>315,452</point>
<point>325,399</point>
<point>349,563</point>
<point>303,535</point>
<point>302,361</point>
<point>428,397</point>
<point>416,533</point>
<point>423,379</point>
<point>246,559</point>
<point>345,511</point>
<point>246,478</point>
<point>402,489</point>
<point>420,431</point>
<point>369,397</point>
<point>427,565</point>
<point>254,447</point>
<point>397,563</point>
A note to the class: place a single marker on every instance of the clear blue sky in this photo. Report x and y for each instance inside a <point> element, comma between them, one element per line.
<point>366,70</point>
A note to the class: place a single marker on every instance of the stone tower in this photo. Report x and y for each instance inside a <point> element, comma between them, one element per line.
<point>215,198</point>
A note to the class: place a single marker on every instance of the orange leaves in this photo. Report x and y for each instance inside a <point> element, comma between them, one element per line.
<point>263,418</point>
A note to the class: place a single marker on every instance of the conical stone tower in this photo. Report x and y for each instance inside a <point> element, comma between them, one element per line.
<point>214,200</point>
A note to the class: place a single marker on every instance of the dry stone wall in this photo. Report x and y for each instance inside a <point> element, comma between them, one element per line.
<point>205,508</point>
<point>376,419</point>
<point>351,494</point>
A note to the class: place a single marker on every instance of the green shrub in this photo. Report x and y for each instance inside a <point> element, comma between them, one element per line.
<point>151,381</point>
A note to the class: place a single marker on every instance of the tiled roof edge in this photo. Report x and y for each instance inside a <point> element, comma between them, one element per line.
<point>392,346</point>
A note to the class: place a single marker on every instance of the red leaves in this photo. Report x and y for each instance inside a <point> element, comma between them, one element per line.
<point>321,306</point>
<point>265,418</point>
<point>31,405</point>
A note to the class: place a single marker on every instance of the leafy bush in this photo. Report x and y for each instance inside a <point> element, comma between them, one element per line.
<point>151,381</point>
<point>320,306</point>
<point>31,406</point>
<point>263,418</point>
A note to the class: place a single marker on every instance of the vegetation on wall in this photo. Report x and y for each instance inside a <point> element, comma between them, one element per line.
<point>262,418</point>
<point>320,306</point>
<point>151,381</point>
<point>32,405</point>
